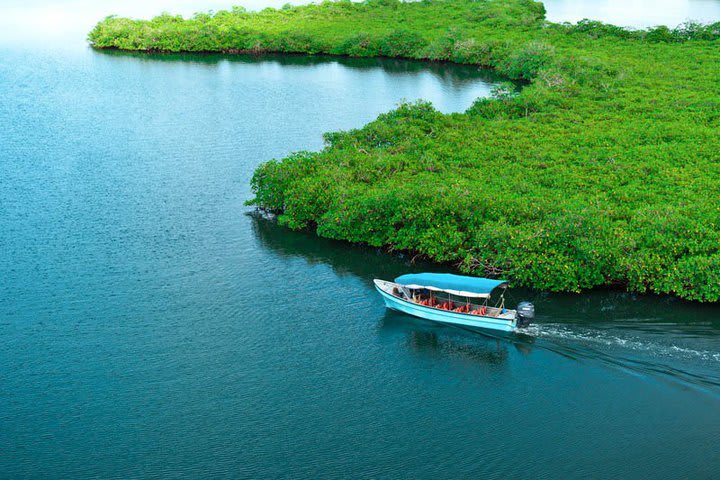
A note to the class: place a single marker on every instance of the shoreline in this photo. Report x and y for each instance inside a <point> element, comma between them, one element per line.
<point>586,159</point>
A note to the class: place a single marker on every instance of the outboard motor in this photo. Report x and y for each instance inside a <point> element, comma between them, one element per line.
<point>525,314</point>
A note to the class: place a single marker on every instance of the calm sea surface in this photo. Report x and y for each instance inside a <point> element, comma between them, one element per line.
<point>152,326</point>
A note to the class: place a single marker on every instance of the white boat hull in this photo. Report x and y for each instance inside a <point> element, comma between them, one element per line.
<point>444,316</point>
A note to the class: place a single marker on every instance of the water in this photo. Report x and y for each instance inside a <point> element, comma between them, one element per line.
<point>153,327</point>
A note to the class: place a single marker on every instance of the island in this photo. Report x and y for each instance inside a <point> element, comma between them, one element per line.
<point>597,164</point>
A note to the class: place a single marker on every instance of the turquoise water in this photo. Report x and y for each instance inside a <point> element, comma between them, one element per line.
<point>153,326</point>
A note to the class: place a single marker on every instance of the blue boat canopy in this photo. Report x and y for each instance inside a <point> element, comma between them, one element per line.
<point>454,284</point>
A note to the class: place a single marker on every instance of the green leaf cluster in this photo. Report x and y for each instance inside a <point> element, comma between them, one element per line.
<point>603,170</point>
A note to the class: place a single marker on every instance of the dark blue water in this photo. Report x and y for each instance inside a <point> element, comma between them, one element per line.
<point>152,326</point>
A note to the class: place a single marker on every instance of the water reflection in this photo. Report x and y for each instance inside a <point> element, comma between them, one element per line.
<point>437,340</point>
<point>345,259</point>
<point>597,307</point>
<point>144,308</point>
<point>456,76</point>
<point>644,334</point>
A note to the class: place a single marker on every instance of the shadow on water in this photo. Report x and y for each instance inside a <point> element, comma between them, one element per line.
<point>364,262</point>
<point>455,74</point>
<point>642,335</point>
<point>434,339</point>
<point>597,307</point>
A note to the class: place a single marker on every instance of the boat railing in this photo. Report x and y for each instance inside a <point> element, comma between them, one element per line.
<point>469,306</point>
<point>404,293</point>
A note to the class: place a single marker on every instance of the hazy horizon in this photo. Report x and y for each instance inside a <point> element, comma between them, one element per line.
<point>26,21</point>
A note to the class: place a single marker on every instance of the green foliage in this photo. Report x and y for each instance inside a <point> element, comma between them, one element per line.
<point>527,62</point>
<point>595,29</point>
<point>360,45</point>
<point>371,28</point>
<point>684,32</point>
<point>401,43</point>
<point>603,170</point>
<point>502,103</point>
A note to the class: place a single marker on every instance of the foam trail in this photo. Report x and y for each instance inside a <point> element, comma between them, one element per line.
<point>649,350</point>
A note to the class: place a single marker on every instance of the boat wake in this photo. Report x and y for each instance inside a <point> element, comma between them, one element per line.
<point>595,336</point>
<point>655,350</point>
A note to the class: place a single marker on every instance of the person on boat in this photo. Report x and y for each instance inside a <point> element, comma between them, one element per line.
<point>447,305</point>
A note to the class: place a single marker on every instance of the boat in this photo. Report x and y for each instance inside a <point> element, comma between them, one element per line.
<point>455,299</point>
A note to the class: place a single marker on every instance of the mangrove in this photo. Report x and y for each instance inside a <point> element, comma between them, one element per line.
<point>603,169</point>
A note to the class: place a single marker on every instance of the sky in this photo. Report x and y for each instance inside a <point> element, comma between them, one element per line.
<point>27,21</point>
<point>70,20</point>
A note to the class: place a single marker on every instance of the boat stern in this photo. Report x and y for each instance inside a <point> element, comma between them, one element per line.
<point>525,314</point>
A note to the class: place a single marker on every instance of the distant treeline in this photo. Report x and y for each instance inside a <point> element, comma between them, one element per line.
<point>300,30</point>
<point>604,170</point>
